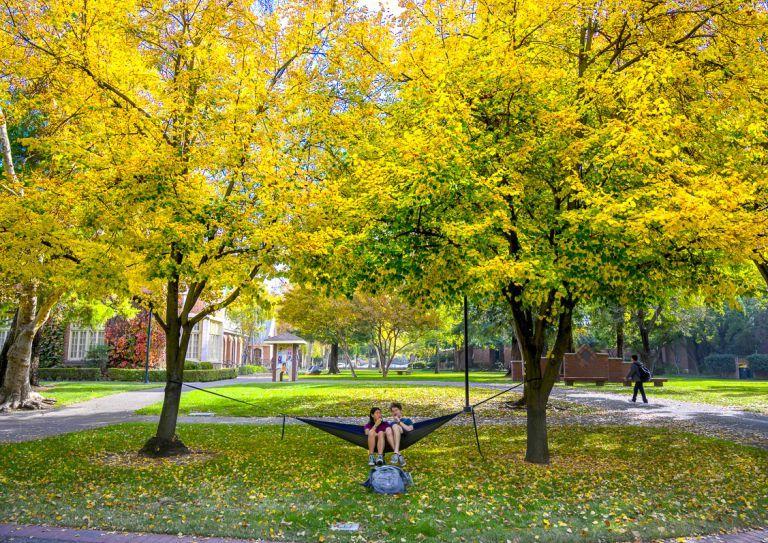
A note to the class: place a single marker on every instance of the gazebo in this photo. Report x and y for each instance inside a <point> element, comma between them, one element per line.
<point>286,351</point>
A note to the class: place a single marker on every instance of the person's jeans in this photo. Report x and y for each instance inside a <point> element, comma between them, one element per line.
<point>639,387</point>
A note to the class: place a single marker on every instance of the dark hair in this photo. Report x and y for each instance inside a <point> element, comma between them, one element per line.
<point>370,415</point>
<point>634,357</point>
<point>396,404</point>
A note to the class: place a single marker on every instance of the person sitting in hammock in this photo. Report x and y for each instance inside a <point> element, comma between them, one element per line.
<point>377,431</point>
<point>400,426</point>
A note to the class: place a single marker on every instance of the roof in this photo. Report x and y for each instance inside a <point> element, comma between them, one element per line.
<point>285,338</point>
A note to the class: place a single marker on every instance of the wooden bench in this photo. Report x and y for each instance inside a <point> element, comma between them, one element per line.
<point>571,381</point>
<point>657,382</point>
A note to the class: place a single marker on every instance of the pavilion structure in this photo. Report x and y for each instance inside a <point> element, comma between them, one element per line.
<point>285,354</point>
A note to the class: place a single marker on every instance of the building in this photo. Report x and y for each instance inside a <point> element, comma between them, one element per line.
<point>215,339</point>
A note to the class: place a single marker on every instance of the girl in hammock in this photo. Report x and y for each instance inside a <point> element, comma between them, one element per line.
<point>377,431</point>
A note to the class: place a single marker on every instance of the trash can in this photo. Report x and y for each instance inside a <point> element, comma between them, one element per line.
<point>745,373</point>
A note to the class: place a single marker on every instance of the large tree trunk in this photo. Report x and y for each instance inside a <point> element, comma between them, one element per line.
<point>166,442</point>
<point>333,359</point>
<point>6,346</point>
<point>16,392</point>
<point>530,331</point>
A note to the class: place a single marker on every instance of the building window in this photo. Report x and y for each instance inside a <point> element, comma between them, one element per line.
<point>193,349</point>
<point>216,339</point>
<point>82,339</point>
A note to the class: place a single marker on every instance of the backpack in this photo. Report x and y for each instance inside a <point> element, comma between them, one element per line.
<point>388,480</point>
<point>645,373</point>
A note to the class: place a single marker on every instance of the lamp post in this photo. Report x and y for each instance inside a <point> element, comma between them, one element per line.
<point>466,355</point>
<point>149,345</point>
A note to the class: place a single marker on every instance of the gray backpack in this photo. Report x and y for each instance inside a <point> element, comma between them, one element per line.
<point>388,480</point>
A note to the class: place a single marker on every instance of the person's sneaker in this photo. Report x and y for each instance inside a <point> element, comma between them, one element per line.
<point>402,459</point>
<point>379,459</point>
<point>633,401</point>
<point>371,459</point>
<point>395,459</point>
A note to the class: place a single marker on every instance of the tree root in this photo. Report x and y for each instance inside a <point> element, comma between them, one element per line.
<point>158,447</point>
<point>30,401</point>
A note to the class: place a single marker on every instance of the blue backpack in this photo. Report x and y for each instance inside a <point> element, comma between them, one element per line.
<point>388,480</point>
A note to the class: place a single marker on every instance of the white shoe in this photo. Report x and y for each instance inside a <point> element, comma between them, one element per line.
<point>371,459</point>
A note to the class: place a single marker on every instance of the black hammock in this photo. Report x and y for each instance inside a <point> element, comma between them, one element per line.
<point>355,434</point>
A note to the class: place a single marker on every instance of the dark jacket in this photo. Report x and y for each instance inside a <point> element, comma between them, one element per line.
<point>634,372</point>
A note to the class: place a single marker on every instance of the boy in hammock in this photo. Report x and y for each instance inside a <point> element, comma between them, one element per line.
<point>400,426</point>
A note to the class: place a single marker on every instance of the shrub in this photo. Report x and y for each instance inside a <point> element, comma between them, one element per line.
<point>159,376</point>
<point>758,362</point>
<point>127,339</point>
<point>192,365</point>
<point>718,364</point>
<point>419,365</point>
<point>250,369</point>
<point>69,374</point>
<point>98,357</point>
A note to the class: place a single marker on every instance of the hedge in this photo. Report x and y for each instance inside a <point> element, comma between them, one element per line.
<point>419,365</point>
<point>191,365</point>
<point>250,369</point>
<point>158,376</point>
<point>69,374</point>
<point>758,362</point>
<point>718,364</point>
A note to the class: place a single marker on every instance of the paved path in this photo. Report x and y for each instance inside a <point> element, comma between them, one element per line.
<point>51,534</point>
<point>114,409</point>
<point>612,409</point>
<point>11,533</point>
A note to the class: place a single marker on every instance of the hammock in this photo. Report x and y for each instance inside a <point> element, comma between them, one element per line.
<point>355,434</point>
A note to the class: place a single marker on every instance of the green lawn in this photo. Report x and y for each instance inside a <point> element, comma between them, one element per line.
<point>417,375</point>
<point>749,395</point>
<point>69,392</point>
<point>603,484</point>
<point>343,400</point>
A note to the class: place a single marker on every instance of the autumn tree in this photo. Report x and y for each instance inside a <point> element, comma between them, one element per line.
<point>195,113</point>
<point>335,321</point>
<point>543,153</point>
<point>394,324</point>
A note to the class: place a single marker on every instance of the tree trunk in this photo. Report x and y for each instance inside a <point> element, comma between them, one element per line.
<point>166,442</point>
<point>537,443</point>
<point>34,365</point>
<point>345,347</point>
<point>7,345</point>
<point>16,392</point>
<point>620,338</point>
<point>333,359</point>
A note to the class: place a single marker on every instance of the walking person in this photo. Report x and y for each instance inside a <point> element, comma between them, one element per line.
<point>639,374</point>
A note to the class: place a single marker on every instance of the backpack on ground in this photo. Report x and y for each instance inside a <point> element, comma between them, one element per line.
<point>388,480</point>
<point>645,373</point>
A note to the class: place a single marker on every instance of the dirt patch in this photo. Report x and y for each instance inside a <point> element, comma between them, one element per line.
<point>136,461</point>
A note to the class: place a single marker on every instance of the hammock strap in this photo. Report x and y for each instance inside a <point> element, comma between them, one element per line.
<point>477,437</point>
<point>215,393</point>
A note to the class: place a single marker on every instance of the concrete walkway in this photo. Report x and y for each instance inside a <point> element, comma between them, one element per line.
<point>28,425</point>
<point>12,533</point>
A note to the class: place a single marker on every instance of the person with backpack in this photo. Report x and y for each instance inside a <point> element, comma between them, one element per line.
<point>639,374</point>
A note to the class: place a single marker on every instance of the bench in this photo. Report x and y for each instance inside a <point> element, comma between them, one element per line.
<point>571,381</point>
<point>657,382</point>
<point>406,372</point>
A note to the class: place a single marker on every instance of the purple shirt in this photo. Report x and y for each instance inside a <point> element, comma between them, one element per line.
<point>381,428</point>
